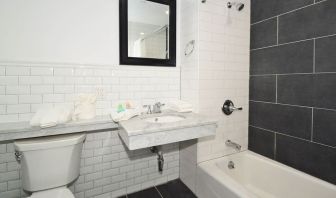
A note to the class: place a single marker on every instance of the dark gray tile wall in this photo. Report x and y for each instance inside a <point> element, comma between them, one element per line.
<point>293,84</point>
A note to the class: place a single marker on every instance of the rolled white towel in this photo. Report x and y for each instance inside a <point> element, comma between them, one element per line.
<point>50,119</point>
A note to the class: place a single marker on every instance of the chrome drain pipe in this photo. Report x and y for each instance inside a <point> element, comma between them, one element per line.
<point>160,158</point>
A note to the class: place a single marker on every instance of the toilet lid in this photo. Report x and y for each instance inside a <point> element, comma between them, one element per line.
<point>53,193</point>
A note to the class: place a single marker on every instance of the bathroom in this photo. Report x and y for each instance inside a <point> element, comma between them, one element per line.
<point>237,100</point>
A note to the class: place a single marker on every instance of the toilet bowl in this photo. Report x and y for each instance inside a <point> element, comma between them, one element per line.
<point>49,164</point>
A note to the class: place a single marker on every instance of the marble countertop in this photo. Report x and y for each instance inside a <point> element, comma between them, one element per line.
<point>137,126</point>
<point>22,130</point>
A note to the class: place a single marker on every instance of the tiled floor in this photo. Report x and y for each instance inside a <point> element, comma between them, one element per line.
<point>172,189</point>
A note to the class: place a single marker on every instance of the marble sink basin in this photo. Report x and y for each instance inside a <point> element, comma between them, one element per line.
<point>165,119</point>
<point>165,128</point>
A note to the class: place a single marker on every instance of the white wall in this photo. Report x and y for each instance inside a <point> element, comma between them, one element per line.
<point>62,31</point>
<point>51,51</point>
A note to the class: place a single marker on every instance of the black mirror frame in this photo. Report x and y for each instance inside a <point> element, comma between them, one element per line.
<point>123,34</point>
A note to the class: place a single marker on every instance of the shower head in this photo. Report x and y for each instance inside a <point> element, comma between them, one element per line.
<point>238,6</point>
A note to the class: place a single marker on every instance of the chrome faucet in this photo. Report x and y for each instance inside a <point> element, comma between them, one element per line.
<point>233,144</point>
<point>157,107</point>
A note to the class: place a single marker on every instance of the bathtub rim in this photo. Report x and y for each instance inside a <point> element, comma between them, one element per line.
<point>256,156</point>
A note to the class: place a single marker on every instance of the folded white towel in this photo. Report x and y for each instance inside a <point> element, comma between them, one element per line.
<point>51,116</point>
<point>50,119</point>
<point>180,106</point>
<point>64,113</point>
<point>40,113</point>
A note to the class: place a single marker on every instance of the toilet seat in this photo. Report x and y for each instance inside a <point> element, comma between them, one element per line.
<point>62,192</point>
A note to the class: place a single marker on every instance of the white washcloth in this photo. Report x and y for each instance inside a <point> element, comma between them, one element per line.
<point>180,106</point>
<point>125,115</point>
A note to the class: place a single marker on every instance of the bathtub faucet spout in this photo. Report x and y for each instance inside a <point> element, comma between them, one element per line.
<point>233,144</point>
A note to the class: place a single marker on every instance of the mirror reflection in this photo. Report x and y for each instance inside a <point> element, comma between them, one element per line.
<point>148,29</point>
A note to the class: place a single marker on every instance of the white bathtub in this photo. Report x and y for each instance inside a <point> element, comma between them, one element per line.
<point>255,176</point>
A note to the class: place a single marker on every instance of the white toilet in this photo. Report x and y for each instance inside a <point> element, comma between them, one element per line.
<point>49,164</point>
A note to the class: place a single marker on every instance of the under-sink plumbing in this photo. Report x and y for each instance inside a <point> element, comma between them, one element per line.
<point>160,159</point>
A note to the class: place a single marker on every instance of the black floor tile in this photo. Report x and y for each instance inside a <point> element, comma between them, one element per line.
<point>123,196</point>
<point>148,193</point>
<point>175,189</point>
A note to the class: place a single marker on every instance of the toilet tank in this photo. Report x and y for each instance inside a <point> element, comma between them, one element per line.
<point>49,162</point>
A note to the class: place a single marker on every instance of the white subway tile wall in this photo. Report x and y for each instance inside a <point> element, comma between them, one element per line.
<point>108,169</point>
<point>223,74</point>
<point>217,70</point>
<point>25,88</point>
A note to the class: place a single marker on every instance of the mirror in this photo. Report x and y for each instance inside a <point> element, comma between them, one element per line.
<point>148,32</point>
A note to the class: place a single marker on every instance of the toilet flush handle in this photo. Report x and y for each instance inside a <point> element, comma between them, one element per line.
<point>18,156</point>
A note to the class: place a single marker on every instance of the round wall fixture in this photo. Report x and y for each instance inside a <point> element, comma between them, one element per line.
<point>228,107</point>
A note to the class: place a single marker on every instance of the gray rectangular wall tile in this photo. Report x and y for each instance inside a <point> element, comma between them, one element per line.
<point>325,127</point>
<point>302,80</point>
<point>263,9</point>
<point>314,21</point>
<point>294,121</point>
<point>325,54</point>
<point>325,91</point>
<point>295,89</point>
<point>291,58</point>
<point>264,34</point>
<point>263,88</point>
<point>261,141</point>
<point>314,159</point>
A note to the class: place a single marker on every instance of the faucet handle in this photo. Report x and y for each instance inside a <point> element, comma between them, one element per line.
<point>159,104</point>
<point>149,108</point>
<point>157,107</point>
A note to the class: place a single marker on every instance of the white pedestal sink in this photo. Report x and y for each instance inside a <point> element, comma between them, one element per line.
<point>158,129</point>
